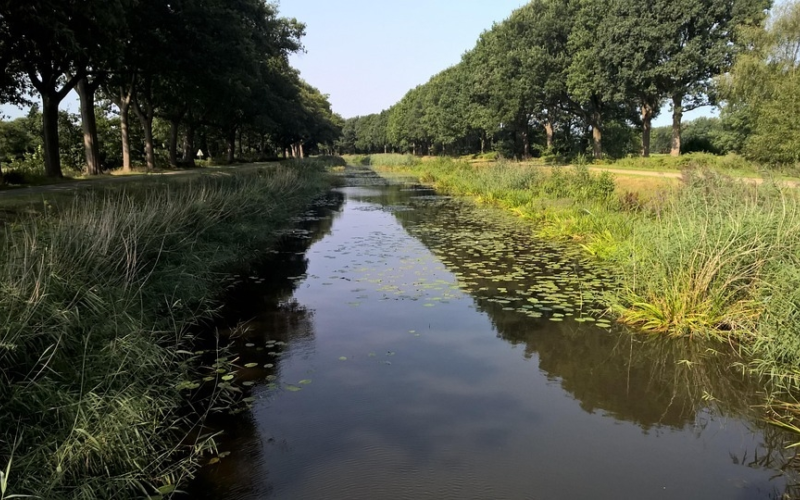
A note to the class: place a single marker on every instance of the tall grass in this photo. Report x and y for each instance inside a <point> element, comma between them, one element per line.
<point>714,257</point>
<point>709,264</point>
<point>383,160</point>
<point>95,301</point>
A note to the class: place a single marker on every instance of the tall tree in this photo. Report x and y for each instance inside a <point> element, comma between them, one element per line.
<point>702,45</point>
<point>760,93</point>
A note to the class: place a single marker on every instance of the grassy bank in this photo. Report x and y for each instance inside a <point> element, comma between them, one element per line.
<point>711,256</point>
<point>96,297</point>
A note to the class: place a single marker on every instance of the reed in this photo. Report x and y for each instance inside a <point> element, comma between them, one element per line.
<point>96,299</point>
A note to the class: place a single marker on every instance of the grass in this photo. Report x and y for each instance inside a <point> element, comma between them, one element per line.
<point>383,160</point>
<point>703,256</point>
<point>96,298</point>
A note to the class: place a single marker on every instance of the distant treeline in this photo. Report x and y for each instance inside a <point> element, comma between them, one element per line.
<point>197,74</point>
<point>574,77</point>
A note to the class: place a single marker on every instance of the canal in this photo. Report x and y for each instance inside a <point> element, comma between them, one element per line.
<point>405,345</point>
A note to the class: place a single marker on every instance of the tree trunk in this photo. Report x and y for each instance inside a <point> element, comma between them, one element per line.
<point>597,136</point>
<point>231,145</point>
<point>483,142</point>
<point>647,121</point>
<point>677,116</point>
<point>124,105</point>
<point>526,143</point>
<point>188,146</point>
<point>86,93</point>
<point>301,150</point>
<point>173,143</point>
<point>149,148</point>
<point>548,129</point>
<point>52,158</point>
<point>146,119</point>
<point>204,145</point>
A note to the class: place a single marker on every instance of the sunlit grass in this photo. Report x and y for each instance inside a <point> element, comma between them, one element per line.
<point>705,255</point>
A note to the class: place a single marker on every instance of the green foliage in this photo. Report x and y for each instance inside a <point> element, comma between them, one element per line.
<point>18,137</point>
<point>705,135</point>
<point>26,170</point>
<point>514,185</point>
<point>391,160</point>
<point>564,76</point>
<point>317,162</point>
<point>761,92</point>
<point>217,71</point>
<point>731,163</point>
<point>95,301</point>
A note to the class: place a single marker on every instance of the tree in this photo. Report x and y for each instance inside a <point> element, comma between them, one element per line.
<point>54,43</point>
<point>760,93</point>
<point>591,86</point>
<point>703,44</point>
<point>629,41</point>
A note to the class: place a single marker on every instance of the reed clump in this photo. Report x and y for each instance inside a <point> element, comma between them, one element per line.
<point>96,297</point>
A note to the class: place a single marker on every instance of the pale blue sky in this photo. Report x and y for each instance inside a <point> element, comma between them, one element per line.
<point>366,54</point>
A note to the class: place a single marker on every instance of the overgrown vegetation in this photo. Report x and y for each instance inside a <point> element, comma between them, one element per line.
<point>96,297</point>
<point>714,257</point>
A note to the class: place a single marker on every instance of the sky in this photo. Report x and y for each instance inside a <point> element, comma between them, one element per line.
<point>366,54</point>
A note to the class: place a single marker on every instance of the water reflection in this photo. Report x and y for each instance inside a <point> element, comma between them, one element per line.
<point>393,320</point>
<point>261,317</point>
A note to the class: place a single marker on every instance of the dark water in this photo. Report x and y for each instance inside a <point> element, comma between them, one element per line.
<point>420,348</point>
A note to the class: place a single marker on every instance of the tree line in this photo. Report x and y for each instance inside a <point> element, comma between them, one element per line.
<point>570,77</point>
<point>214,73</point>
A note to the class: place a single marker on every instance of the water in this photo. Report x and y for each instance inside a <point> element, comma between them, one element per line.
<point>421,348</point>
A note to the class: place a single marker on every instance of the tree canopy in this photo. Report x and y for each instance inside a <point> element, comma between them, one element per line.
<point>569,77</point>
<point>217,68</point>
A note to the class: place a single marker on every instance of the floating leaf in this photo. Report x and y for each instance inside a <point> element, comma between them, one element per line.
<point>293,388</point>
<point>305,381</point>
<point>251,365</point>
